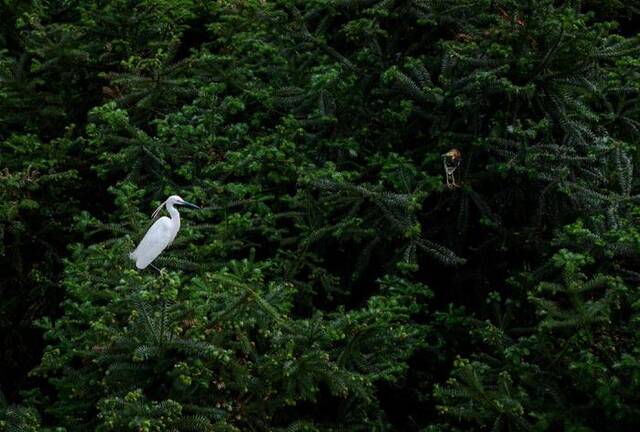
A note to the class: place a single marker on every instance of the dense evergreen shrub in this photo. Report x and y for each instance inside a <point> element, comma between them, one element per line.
<point>332,282</point>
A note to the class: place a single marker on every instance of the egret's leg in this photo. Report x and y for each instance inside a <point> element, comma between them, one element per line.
<point>159,271</point>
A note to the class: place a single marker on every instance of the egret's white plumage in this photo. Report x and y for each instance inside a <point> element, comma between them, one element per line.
<point>161,234</point>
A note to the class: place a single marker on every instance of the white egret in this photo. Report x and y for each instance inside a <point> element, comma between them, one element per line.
<point>161,233</point>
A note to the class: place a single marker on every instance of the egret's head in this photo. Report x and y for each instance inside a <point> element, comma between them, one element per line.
<point>177,200</point>
<point>173,200</point>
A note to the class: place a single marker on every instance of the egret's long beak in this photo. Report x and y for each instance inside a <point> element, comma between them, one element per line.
<point>188,204</point>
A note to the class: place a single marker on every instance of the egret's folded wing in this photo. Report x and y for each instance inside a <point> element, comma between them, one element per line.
<point>153,243</point>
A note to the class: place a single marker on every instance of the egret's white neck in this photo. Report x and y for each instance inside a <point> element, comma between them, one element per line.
<point>174,226</point>
<point>175,215</point>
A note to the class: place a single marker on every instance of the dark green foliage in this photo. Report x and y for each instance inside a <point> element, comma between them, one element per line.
<point>584,332</point>
<point>331,282</point>
<point>234,347</point>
